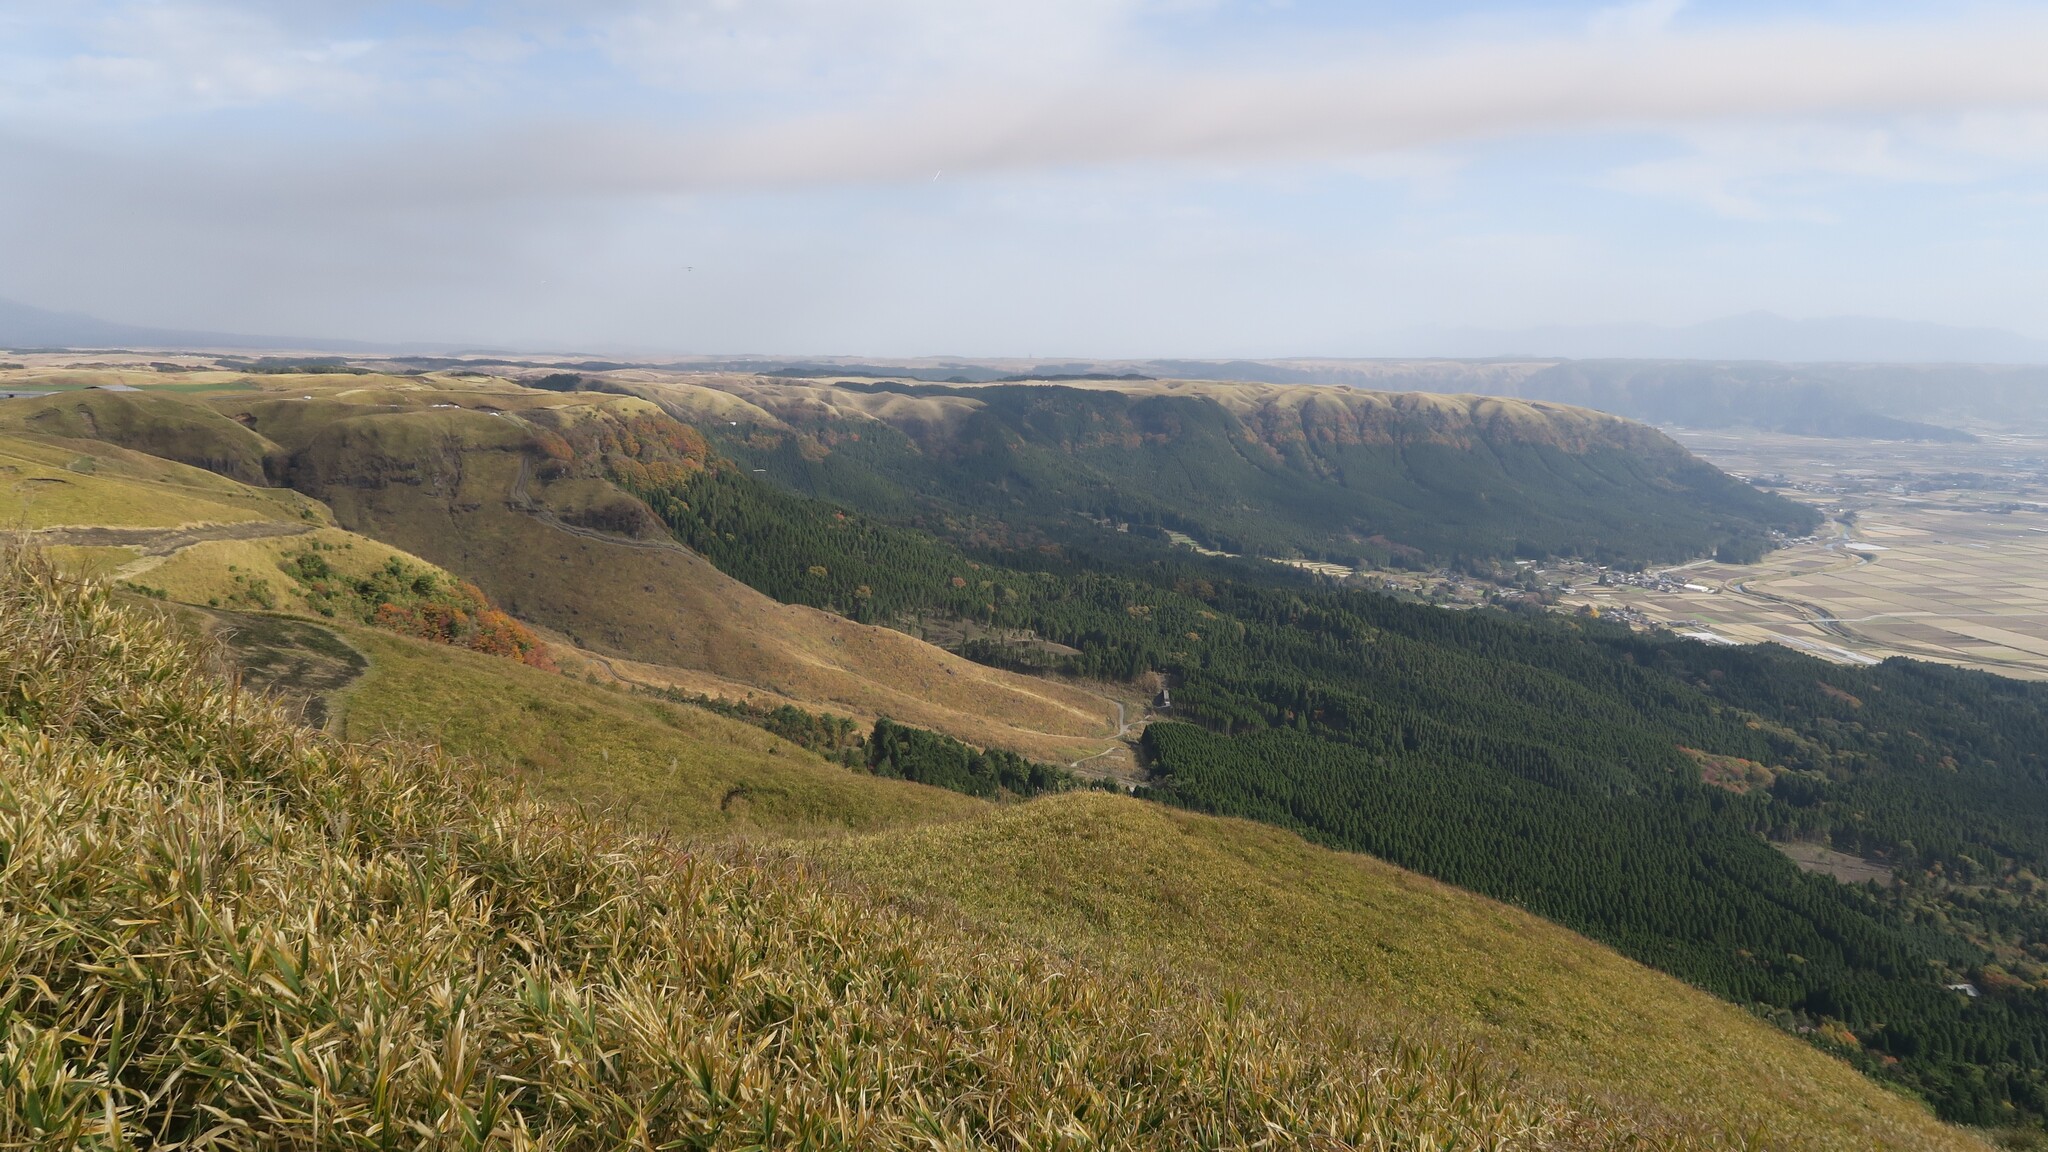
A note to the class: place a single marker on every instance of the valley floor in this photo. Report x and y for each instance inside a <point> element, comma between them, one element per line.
<point>1936,551</point>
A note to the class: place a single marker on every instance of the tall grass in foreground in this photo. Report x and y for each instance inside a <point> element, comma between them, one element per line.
<point>219,929</point>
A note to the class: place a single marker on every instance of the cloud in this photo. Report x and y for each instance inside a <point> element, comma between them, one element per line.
<point>120,63</point>
<point>831,47</point>
<point>1368,103</point>
<point>725,95</point>
<point>383,145</point>
<point>1643,19</point>
<point>1784,172</point>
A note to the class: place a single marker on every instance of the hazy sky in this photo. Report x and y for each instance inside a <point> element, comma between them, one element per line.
<point>1029,177</point>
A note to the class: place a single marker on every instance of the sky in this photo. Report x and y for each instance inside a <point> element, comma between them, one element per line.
<point>1102,178</point>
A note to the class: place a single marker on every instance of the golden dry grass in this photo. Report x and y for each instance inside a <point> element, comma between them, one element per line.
<point>1345,936</point>
<point>662,766</point>
<point>205,572</point>
<point>91,562</point>
<point>48,481</point>
<point>224,931</point>
<point>661,605</point>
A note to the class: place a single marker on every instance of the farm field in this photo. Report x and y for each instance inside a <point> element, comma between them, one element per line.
<point>1935,551</point>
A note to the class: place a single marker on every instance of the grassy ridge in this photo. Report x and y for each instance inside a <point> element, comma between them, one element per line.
<point>171,427</point>
<point>662,765</point>
<point>1324,472</point>
<point>224,929</point>
<point>462,489</point>
<point>1219,902</point>
<point>1350,937</point>
<point>53,481</point>
<point>447,485</point>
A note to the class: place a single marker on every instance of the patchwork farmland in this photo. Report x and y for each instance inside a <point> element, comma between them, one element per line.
<point>1936,551</point>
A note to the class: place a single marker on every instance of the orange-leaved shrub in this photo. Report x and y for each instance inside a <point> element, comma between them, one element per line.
<point>465,618</point>
<point>417,602</point>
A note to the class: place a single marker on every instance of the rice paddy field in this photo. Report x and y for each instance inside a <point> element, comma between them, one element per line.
<point>1935,551</point>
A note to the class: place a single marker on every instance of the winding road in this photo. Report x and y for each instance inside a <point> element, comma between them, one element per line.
<point>160,544</point>
<point>1123,728</point>
<point>1816,615</point>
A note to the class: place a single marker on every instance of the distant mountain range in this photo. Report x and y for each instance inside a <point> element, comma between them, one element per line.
<point>23,327</point>
<point>1844,376</point>
<point>1751,336</point>
<point>1861,400</point>
<point>1761,336</point>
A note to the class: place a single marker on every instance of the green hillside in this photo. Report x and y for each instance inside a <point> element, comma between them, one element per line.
<point>1107,878</point>
<point>1327,473</point>
<point>1553,763</point>
<point>661,765</point>
<point>1550,762</point>
<point>171,426</point>
<point>251,936</point>
<point>1143,888</point>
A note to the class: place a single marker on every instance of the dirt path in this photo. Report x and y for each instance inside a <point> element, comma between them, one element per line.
<point>165,541</point>
<point>1123,728</point>
<point>160,544</point>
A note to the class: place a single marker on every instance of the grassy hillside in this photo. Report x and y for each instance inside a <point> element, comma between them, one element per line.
<point>167,425</point>
<point>263,572</point>
<point>472,491</point>
<point>252,937</point>
<point>1139,888</point>
<point>50,481</point>
<point>560,550</point>
<point>664,766</point>
<point>535,493</point>
<point>1347,936</point>
<point>1274,470</point>
<point>1541,761</point>
<point>1222,900</point>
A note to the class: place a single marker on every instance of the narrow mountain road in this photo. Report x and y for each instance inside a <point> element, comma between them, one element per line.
<point>160,544</point>
<point>1123,728</point>
<point>164,541</point>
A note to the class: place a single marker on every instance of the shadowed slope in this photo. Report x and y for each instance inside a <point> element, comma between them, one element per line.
<point>1273,470</point>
